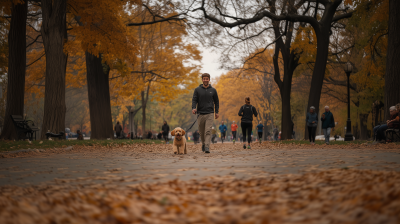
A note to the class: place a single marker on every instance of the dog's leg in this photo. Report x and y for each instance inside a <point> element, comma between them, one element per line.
<point>185,149</point>
<point>180,150</point>
<point>175,149</point>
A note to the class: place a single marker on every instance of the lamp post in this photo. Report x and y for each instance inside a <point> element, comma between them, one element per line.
<point>348,68</point>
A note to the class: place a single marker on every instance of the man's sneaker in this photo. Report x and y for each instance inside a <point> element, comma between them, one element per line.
<point>206,150</point>
<point>244,146</point>
<point>248,147</point>
<point>233,141</point>
<point>203,148</point>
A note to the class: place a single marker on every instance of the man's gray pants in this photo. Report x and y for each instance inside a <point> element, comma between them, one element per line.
<point>205,125</point>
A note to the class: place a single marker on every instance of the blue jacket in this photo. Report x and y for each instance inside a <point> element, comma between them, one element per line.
<point>222,128</point>
<point>329,121</point>
<point>310,118</point>
<point>260,127</point>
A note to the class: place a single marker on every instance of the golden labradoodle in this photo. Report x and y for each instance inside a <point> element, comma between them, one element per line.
<point>179,145</point>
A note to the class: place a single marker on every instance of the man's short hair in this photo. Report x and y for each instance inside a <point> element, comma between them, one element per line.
<point>392,108</point>
<point>326,107</point>
<point>205,75</point>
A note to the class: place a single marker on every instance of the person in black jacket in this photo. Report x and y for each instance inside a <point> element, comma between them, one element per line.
<point>246,112</point>
<point>165,131</point>
<point>205,97</point>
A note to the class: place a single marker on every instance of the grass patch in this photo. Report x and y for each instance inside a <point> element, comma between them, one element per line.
<point>46,144</point>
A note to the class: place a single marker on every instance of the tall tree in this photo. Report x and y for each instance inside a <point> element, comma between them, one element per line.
<point>392,78</point>
<point>325,15</point>
<point>16,67</point>
<point>54,34</point>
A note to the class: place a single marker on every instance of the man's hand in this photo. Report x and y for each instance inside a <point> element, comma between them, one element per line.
<point>194,111</point>
<point>216,116</point>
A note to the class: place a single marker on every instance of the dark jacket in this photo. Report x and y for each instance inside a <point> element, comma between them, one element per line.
<point>165,129</point>
<point>328,121</point>
<point>310,118</point>
<point>118,128</point>
<point>246,112</point>
<point>205,99</point>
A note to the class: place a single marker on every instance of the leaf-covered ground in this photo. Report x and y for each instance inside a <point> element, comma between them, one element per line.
<point>334,196</point>
<point>354,183</point>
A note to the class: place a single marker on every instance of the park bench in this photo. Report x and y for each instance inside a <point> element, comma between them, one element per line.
<point>393,135</point>
<point>25,128</point>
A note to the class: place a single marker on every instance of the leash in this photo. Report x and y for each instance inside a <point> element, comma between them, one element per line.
<point>193,123</point>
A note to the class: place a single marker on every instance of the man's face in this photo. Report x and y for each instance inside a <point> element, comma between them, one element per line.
<point>326,109</point>
<point>392,112</point>
<point>206,81</point>
<point>165,122</point>
<point>222,123</point>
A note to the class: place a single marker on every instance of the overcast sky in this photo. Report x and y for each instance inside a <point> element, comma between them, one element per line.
<point>211,63</point>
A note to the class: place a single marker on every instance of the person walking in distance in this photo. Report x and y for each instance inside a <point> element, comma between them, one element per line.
<point>213,135</point>
<point>222,129</point>
<point>328,122</point>
<point>165,132</point>
<point>312,122</point>
<point>260,129</point>
<point>205,99</point>
<point>118,129</point>
<point>246,112</point>
<point>233,129</point>
<point>275,132</point>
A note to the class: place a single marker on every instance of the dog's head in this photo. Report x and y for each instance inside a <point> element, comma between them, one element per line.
<point>178,132</point>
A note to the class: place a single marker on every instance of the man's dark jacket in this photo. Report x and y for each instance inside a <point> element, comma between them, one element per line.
<point>204,99</point>
<point>329,121</point>
<point>165,129</point>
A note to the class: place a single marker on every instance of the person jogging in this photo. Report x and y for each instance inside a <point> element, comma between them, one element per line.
<point>246,112</point>
<point>260,129</point>
<point>205,98</point>
<point>233,129</point>
<point>222,129</point>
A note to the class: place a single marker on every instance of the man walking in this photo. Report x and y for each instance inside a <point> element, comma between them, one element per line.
<point>260,129</point>
<point>118,129</point>
<point>204,99</point>
<point>328,122</point>
<point>234,129</point>
<point>165,132</point>
<point>276,133</point>
<point>222,129</point>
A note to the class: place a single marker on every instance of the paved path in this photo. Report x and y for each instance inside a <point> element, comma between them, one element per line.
<point>157,163</point>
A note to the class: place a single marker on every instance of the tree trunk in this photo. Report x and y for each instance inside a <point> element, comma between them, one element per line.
<point>54,34</point>
<point>144,102</point>
<point>290,62</point>
<point>319,70</point>
<point>363,126</point>
<point>99,98</point>
<point>16,69</point>
<point>392,79</point>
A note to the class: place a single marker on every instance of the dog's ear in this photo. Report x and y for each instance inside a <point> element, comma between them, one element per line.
<point>173,132</point>
<point>183,132</point>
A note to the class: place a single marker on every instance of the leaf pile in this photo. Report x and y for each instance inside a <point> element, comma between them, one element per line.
<point>333,196</point>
